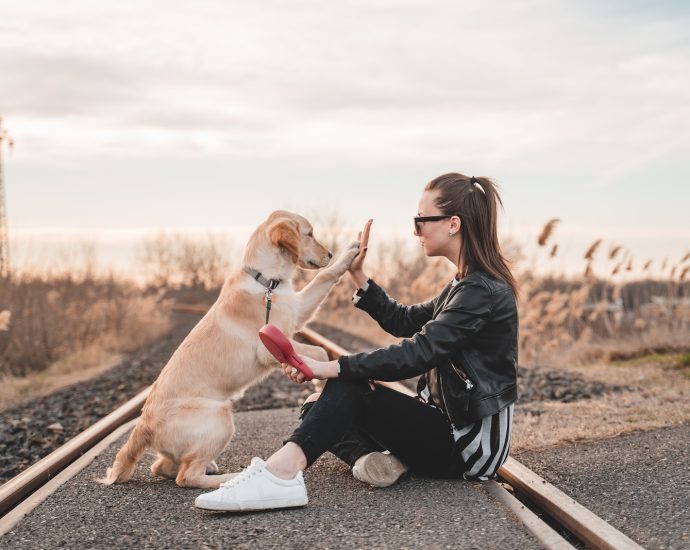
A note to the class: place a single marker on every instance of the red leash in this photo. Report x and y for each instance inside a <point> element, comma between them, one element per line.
<point>280,347</point>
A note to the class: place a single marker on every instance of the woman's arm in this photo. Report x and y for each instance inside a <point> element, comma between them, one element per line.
<point>396,319</point>
<point>465,314</point>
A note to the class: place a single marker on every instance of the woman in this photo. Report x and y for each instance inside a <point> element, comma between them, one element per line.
<point>463,342</point>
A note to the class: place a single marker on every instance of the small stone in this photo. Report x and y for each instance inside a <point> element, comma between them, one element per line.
<point>55,427</point>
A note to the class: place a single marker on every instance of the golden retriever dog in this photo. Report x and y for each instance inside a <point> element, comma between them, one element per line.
<point>187,418</point>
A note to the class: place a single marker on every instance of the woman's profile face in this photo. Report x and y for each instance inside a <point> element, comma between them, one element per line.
<point>433,236</point>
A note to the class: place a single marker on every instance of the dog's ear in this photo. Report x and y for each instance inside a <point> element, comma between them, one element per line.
<point>284,232</point>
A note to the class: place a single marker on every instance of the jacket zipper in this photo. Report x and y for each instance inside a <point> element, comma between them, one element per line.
<point>443,396</point>
<point>462,375</point>
<point>468,385</point>
<point>466,379</point>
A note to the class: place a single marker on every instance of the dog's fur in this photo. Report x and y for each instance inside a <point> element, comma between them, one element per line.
<point>187,417</point>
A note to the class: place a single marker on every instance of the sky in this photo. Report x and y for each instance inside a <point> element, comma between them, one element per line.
<point>135,117</point>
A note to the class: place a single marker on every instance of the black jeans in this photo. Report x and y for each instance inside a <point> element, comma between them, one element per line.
<point>350,420</point>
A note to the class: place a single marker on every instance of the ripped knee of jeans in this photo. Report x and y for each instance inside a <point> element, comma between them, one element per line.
<point>313,397</point>
<point>306,407</point>
<point>308,404</point>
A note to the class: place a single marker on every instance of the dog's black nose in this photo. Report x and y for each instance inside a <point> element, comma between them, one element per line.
<point>330,255</point>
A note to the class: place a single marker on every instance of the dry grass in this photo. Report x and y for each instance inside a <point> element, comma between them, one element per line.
<point>5,317</point>
<point>67,324</point>
<point>170,259</point>
<point>546,231</point>
<point>82,365</point>
<point>65,328</point>
<point>660,386</point>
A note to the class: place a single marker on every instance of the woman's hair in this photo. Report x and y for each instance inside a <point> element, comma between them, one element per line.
<point>462,196</point>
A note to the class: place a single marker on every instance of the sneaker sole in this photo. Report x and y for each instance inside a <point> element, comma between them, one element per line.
<point>251,505</point>
<point>380,470</point>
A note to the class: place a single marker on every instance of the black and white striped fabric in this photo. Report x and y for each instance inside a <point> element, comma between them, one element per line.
<point>483,446</point>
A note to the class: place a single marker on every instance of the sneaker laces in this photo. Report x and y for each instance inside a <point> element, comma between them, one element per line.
<point>244,475</point>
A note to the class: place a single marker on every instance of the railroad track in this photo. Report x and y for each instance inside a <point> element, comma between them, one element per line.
<point>567,519</point>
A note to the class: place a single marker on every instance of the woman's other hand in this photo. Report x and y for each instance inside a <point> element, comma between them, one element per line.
<point>321,369</point>
<point>357,266</point>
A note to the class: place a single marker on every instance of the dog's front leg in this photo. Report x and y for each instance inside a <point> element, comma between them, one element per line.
<point>314,352</point>
<point>311,296</point>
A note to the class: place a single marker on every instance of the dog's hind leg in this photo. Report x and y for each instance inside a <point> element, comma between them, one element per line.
<point>197,465</point>
<point>193,474</point>
<point>165,467</point>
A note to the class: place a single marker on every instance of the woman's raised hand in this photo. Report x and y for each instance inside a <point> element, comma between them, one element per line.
<point>357,266</point>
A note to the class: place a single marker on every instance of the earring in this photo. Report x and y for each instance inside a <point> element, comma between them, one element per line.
<point>450,233</point>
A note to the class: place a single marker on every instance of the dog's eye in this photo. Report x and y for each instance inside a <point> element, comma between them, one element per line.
<point>310,234</point>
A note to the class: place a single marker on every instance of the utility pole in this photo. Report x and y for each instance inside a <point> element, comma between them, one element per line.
<point>5,139</point>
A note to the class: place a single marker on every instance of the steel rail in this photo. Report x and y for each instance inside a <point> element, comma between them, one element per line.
<point>25,483</point>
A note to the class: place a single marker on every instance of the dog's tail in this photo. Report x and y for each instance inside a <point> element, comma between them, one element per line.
<point>127,458</point>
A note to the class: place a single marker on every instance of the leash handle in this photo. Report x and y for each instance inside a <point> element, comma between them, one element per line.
<point>280,347</point>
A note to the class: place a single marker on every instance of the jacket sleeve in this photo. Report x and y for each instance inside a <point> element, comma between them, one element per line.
<point>395,318</point>
<point>465,314</point>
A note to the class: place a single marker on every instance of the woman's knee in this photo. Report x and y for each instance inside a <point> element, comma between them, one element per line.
<point>312,397</point>
<point>334,385</point>
<point>308,404</point>
<point>337,391</point>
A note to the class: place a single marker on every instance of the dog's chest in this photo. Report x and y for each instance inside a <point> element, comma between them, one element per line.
<point>280,308</point>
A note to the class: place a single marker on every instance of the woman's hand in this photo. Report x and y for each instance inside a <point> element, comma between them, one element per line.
<point>357,266</point>
<point>321,369</point>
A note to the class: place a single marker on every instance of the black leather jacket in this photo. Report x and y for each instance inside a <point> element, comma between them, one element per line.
<point>465,340</point>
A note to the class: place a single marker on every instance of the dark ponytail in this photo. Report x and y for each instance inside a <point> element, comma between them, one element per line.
<point>476,202</point>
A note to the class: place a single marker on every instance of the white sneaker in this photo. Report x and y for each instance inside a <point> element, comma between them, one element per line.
<point>255,488</point>
<point>378,469</point>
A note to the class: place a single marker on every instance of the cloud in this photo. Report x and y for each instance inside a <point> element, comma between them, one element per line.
<point>55,85</point>
<point>395,80</point>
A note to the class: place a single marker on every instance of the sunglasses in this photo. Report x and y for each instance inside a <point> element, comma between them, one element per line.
<point>419,220</point>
